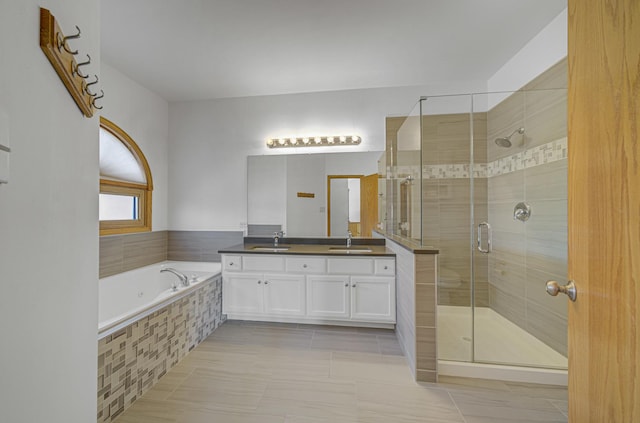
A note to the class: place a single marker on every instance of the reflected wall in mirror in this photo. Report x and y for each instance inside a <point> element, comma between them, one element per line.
<point>290,192</point>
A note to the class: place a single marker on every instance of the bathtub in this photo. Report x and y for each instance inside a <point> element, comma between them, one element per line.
<point>132,295</point>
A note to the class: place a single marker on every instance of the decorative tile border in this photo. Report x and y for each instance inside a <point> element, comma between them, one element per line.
<point>536,156</point>
<point>133,359</point>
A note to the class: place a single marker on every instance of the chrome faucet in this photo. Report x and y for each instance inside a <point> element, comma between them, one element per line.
<point>183,278</point>
<point>349,235</point>
<point>276,237</point>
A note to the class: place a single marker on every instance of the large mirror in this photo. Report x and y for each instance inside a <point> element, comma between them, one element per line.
<point>314,195</point>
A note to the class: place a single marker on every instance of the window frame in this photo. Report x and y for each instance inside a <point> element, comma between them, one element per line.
<point>141,191</point>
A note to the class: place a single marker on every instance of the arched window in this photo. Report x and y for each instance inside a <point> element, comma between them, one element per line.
<point>125,183</point>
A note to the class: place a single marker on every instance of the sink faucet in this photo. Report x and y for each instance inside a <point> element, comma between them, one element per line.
<point>183,278</point>
<point>276,237</point>
<point>349,235</point>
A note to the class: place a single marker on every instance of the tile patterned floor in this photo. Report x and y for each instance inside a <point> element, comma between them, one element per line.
<point>249,372</point>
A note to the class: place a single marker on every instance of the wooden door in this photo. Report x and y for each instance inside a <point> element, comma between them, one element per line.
<point>368,204</point>
<point>604,210</point>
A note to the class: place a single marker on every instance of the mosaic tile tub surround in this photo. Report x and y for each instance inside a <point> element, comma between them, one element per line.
<point>133,359</point>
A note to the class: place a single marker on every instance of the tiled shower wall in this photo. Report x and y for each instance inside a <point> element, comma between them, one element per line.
<point>133,359</point>
<point>511,279</point>
<point>445,202</point>
<point>527,254</point>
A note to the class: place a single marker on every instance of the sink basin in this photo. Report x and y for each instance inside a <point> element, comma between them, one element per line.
<point>270,249</point>
<point>354,250</point>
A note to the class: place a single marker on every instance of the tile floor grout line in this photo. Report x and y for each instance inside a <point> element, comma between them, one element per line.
<point>290,378</point>
<point>455,404</point>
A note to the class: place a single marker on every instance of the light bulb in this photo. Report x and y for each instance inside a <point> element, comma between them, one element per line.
<point>270,142</point>
<point>305,140</point>
<point>330,140</point>
<point>293,141</point>
<point>343,139</point>
<point>355,138</point>
<point>281,141</point>
<point>317,140</point>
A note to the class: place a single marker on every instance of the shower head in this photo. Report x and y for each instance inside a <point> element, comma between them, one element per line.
<point>506,141</point>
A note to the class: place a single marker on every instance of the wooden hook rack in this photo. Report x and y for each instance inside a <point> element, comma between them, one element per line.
<point>53,44</point>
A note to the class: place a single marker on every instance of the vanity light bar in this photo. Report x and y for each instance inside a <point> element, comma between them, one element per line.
<point>314,141</point>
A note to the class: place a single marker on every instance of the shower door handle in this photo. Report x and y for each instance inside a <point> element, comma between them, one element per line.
<point>489,236</point>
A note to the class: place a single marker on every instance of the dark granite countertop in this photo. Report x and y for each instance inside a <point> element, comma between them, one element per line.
<point>409,244</point>
<point>360,247</point>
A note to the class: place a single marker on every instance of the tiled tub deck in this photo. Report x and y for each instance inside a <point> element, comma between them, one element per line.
<point>132,359</point>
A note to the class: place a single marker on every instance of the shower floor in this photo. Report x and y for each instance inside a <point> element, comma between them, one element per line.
<point>497,340</point>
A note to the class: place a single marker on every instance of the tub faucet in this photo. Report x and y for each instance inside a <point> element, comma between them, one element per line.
<point>183,278</point>
<point>349,235</point>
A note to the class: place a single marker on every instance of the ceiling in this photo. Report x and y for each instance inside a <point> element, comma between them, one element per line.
<point>203,49</point>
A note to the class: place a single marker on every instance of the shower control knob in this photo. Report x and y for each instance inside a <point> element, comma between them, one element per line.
<point>553,288</point>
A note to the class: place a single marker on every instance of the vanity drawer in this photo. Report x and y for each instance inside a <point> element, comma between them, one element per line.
<point>263,263</point>
<point>350,266</point>
<point>232,263</point>
<point>306,265</point>
<point>385,267</point>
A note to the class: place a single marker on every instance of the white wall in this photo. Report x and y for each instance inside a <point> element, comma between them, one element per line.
<point>210,140</point>
<point>48,224</point>
<point>543,51</point>
<point>145,117</point>
<point>267,196</point>
<point>306,217</point>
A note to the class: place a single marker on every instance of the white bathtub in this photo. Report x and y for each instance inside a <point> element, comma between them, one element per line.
<point>132,295</point>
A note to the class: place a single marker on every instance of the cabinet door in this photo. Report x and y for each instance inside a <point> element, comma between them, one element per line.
<point>284,295</point>
<point>328,296</point>
<point>373,299</point>
<point>242,293</point>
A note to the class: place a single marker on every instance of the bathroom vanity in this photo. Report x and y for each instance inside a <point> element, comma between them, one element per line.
<point>315,284</point>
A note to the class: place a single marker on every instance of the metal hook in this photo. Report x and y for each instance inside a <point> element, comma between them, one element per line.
<point>86,87</point>
<point>93,100</point>
<point>63,43</point>
<point>76,70</point>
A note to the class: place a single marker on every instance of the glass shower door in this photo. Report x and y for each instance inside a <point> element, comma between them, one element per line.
<point>521,200</point>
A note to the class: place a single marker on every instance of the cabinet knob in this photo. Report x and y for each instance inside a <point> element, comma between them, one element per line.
<point>259,282</point>
<point>386,267</point>
<point>231,264</point>
<point>266,282</point>
<point>346,285</point>
<point>304,266</point>
<point>353,286</point>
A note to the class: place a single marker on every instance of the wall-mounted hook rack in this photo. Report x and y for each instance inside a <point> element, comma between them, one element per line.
<point>54,45</point>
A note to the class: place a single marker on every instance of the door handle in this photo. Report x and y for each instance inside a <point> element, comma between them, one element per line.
<point>489,236</point>
<point>553,288</point>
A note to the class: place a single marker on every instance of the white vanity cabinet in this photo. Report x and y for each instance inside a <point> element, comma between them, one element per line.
<point>329,297</point>
<point>264,294</point>
<point>373,298</point>
<point>253,293</point>
<point>310,289</point>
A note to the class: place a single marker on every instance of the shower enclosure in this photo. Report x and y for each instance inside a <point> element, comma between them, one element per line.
<point>483,177</point>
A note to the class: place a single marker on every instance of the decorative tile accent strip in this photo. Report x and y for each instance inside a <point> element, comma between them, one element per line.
<point>133,359</point>
<point>536,156</point>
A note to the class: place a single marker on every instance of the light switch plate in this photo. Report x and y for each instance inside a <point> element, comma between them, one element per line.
<point>4,148</point>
